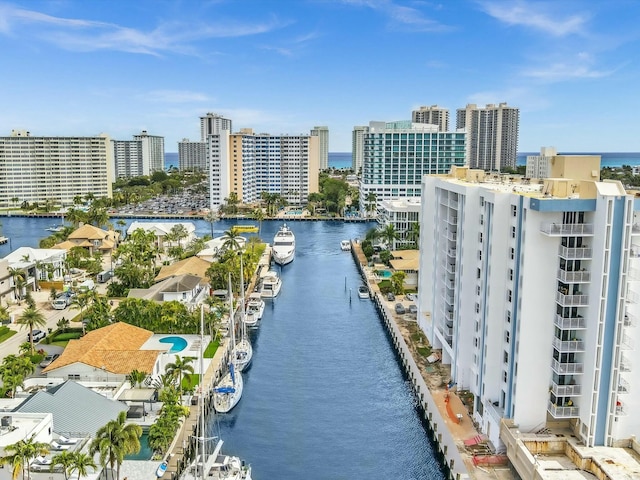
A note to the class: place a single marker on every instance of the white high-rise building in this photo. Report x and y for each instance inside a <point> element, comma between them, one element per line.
<point>54,169</point>
<point>152,152</point>
<point>433,115</point>
<point>192,155</point>
<point>357,147</point>
<point>397,155</point>
<point>141,156</point>
<point>539,166</point>
<point>532,293</point>
<point>323,136</point>
<point>213,124</point>
<point>492,142</point>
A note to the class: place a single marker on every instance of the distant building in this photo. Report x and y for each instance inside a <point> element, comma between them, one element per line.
<point>323,145</point>
<point>551,165</point>
<point>192,155</point>
<point>397,155</point>
<point>141,156</point>
<point>53,169</point>
<point>249,164</point>
<point>403,214</point>
<point>213,124</point>
<point>538,166</point>
<point>492,142</point>
<point>357,147</point>
<point>433,115</point>
<point>531,293</point>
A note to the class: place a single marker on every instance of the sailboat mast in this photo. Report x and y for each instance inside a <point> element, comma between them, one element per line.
<point>231,318</point>
<point>201,398</point>
<point>242,312</point>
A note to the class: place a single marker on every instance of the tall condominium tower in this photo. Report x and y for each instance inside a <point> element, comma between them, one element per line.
<point>492,135</point>
<point>357,147</point>
<point>213,124</point>
<point>249,164</point>
<point>534,312</point>
<point>323,136</point>
<point>141,156</point>
<point>54,169</point>
<point>397,154</point>
<point>192,155</point>
<point>433,115</point>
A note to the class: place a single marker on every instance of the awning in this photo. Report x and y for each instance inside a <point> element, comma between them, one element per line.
<point>137,395</point>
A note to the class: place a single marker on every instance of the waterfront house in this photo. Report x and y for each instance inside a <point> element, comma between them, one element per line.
<point>35,265</point>
<point>192,265</point>
<point>406,261</point>
<point>188,289</point>
<point>91,238</point>
<point>215,246</point>
<point>6,283</point>
<point>163,232</point>
<point>107,354</point>
<point>16,426</point>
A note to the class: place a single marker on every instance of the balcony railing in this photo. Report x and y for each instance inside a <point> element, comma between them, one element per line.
<point>620,411</point>
<point>566,390</point>
<point>566,368</point>
<point>632,297</point>
<point>625,364</point>
<point>452,236</point>
<point>635,229</point>
<point>451,267</point>
<point>572,253</point>
<point>574,277</point>
<point>623,386</point>
<point>634,274</point>
<point>452,220</point>
<point>570,323</point>
<point>568,346</point>
<point>567,230</point>
<point>626,343</point>
<point>572,300</point>
<point>629,320</point>
<point>494,411</point>
<point>563,412</point>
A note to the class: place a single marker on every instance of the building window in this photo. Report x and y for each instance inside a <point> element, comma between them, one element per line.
<point>506,336</point>
<point>513,232</point>
<point>504,376</point>
<point>480,237</point>
<point>508,316</point>
<point>477,307</point>
<point>514,210</point>
<point>509,296</point>
<point>505,357</point>
<point>511,274</point>
<point>479,254</point>
<point>512,253</point>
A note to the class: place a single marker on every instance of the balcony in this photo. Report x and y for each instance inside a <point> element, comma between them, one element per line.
<point>451,268</point>
<point>452,236</point>
<point>566,368</point>
<point>635,229</point>
<point>629,320</point>
<point>568,230</point>
<point>625,364</point>
<point>626,343</point>
<point>620,411</point>
<point>566,390</point>
<point>494,411</point>
<point>632,297</point>
<point>574,277</point>
<point>568,346</point>
<point>563,412</point>
<point>452,220</point>
<point>623,386</point>
<point>570,323</point>
<point>572,300</point>
<point>575,253</point>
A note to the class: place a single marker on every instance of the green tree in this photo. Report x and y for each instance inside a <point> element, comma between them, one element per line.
<point>136,377</point>
<point>258,214</point>
<point>389,235</point>
<point>371,199</point>
<point>413,234</point>
<point>81,463</point>
<point>179,368</point>
<point>31,318</point>
<point>80,302</point>
<point>211,217</point>
<point>397,282</point>
<point>63,459</point>
<point>21,454</point>
<point>231,239</point>
<point>115,440</point>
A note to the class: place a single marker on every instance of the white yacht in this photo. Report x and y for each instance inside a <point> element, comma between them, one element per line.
<point>271,285</point>
<point>284,246</point>
<point>363,291</point>
<point>228,391</point>
<point>255,306</point>
<point>345,245</point>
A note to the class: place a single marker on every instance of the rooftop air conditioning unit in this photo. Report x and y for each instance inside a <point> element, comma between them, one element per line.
<point>5,421</point>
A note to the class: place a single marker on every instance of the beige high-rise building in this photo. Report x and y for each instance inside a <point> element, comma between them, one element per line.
<point>492,132</point>
<point>54,169</point>
<point>357,147</point>
<point>433,115</point>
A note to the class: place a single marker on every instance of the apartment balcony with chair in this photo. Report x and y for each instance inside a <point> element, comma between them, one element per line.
<point>566,390</point>
<point>623,386</point>
<point>621,411</point>
<point>568,346</point>
<point>567,230</point>
<point>629,320</point>
<point>570,323</point>
<point>562,411</point>
<point>567,368</point>
<point>567,300</point>
<point>581,276</point>
<point>494,410</point>
<point>625,364</point>
<point>575,253</point>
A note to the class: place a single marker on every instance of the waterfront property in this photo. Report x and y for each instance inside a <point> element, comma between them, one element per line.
<point>92,239</point>
<point>163,231</point>
<point>188,289</point>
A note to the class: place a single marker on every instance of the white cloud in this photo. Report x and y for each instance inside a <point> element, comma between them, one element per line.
<point>565,71</point>
<point>536,16</point>
<point>402,16</point>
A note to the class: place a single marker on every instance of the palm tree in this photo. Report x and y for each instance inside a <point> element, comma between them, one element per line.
<point>231,239</point>
<point>81,464</point>
<point>31,318</point>
<point>258,214</point>
<point>136,377</point>
<point>371,202</point>
<point>80,302</point>
<point>413,234</point>
<point>19,281</point>
<point>115,440</point>
<point>65,460</point>
<point>389,235</point>
<point>179,368</point>
<point>21,454</point>
<point>211,217</point>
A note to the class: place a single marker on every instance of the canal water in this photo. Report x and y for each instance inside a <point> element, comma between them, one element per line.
<point>325,397</point>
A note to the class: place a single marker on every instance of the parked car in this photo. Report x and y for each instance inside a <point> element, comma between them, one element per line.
<point>391,297</point>
<point>37,335</point>
<point>410,296</point>
<point>400,309</point>
<point>48,360</point>
<point>413,308</point>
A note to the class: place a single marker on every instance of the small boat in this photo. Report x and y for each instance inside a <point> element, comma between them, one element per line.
<point>3,240</point>
<point>161,469</point>
<point>345,245</point>
<point>55,228</point>
<point>228,391</point>
<point>363,291</point>
<point>255,306</point>
<point>271,285</point>
<point>284,246</point>
<point>246,228</point>
<point>242,353</point>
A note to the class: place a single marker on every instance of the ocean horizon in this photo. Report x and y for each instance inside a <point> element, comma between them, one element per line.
<point>341,160</point>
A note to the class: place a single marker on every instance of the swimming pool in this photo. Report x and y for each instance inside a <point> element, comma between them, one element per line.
<point>179,343</point>
<point>146,452</point>
<point>384,273</point>
<point>294,212</point>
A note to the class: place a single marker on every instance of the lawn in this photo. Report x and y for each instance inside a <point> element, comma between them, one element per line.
<point>5,333</point>
<point>190,381</point>
<point>211,349</point>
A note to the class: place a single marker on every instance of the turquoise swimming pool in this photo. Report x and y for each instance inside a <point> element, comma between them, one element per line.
<point>178,343</point>
<point>384,273</point>
<point>294,212</point>
<point>146,452</point>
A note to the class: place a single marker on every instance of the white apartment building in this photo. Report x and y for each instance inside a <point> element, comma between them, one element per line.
<point>248,164</point>
<point>532,292</point>
<point>357,147</point>
<point>492,142</point>
<point>57,169</point>
<point>152,152</point>
<point>397,155</point>
<point>403,214</point>
<point>323,145</point>
<point>141,156</point>
<point>192,155</point>
<point>539,166</point>
<point>433,115</point>
<point>213,124</point>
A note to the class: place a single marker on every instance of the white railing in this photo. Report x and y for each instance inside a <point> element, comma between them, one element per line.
<point>574,277</point>
<point>635,229</point>
<point>567,229</point>
<point>568,345</point>
<point>623,386</point>
<point>565,390</point>
<point>570,323</point>
<point>494,411</point>
<point>574,252</point>
<point>563,412</point>
<point>625,364</point>
<point>629,320</point>
<point>620,411</point>
<point>572,300</point>
<point>627,342</point>
<point>566,368</point>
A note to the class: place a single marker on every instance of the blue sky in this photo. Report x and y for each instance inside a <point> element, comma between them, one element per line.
<point>282,66</point>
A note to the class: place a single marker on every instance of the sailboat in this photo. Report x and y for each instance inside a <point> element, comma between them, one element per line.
<point>228,391</point>
<point>242,352</point>
<point>212,466</point>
